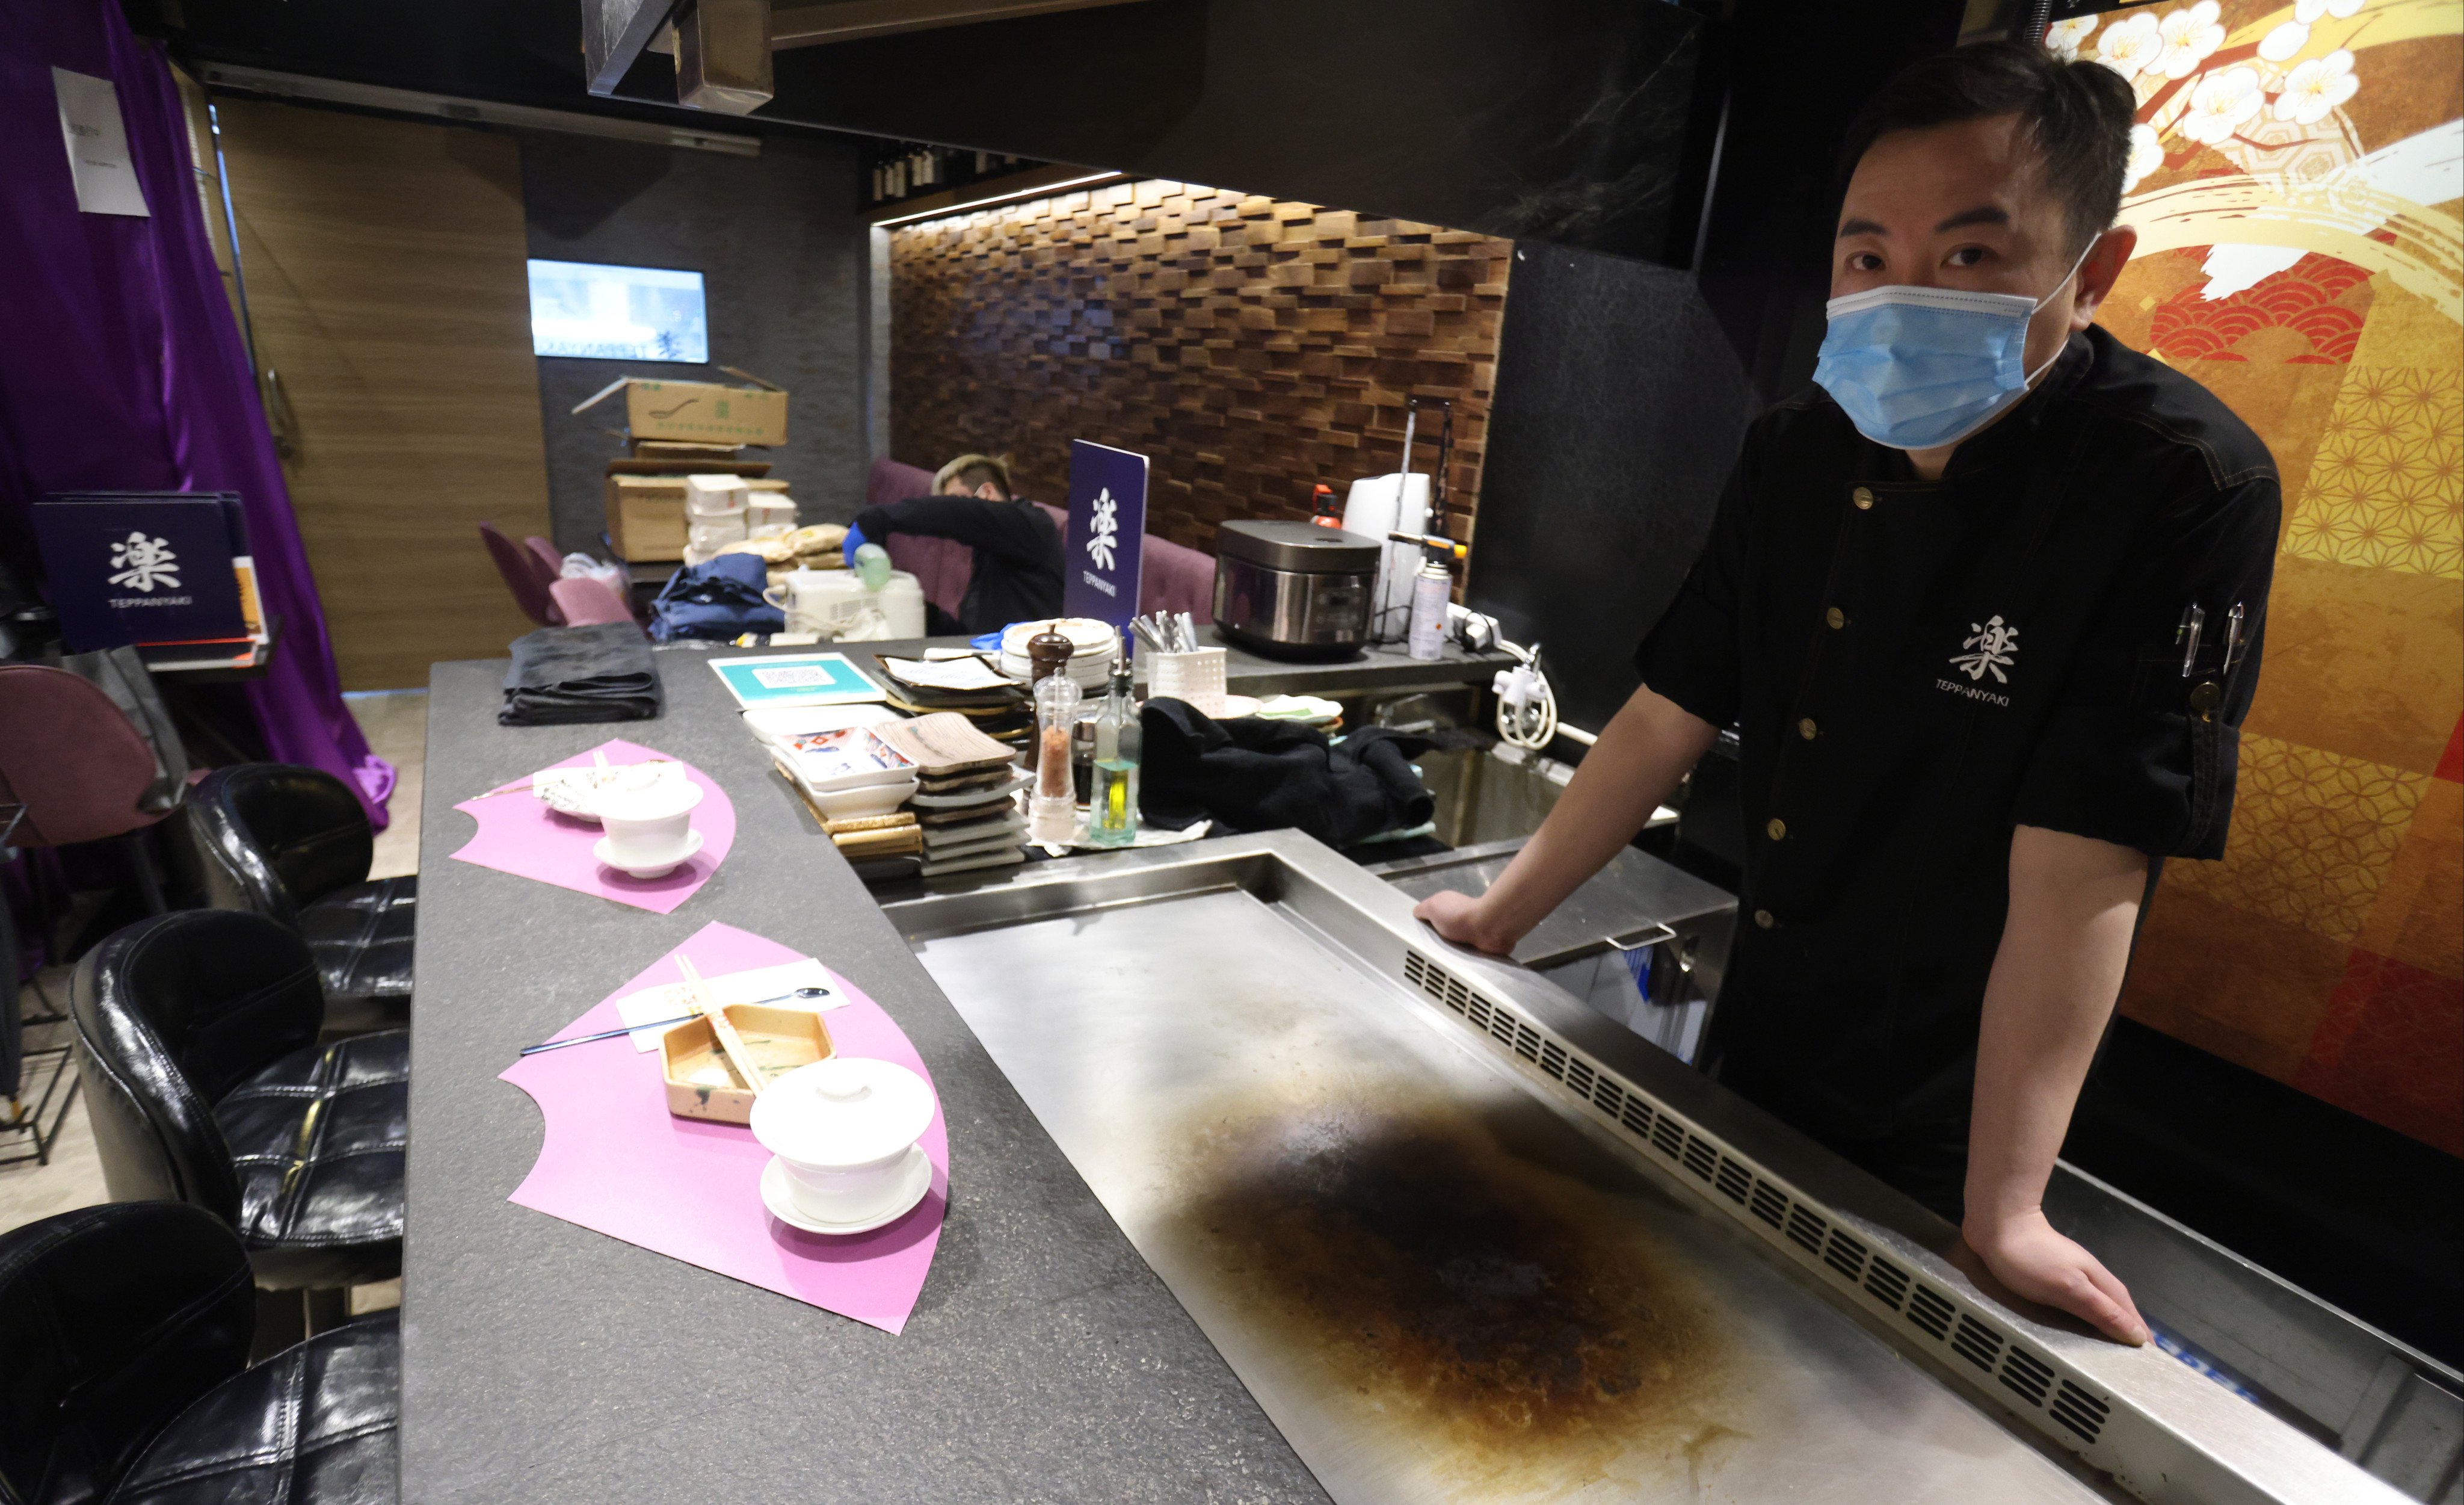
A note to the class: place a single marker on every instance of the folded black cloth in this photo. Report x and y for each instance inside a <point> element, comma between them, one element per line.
<point>564,675</point>
<point>1255,773</point>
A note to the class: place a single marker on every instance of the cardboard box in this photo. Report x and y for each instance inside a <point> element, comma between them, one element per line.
<point>699,412</point>
<point>645,517</point>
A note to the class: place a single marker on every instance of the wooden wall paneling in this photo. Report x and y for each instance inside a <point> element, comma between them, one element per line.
<point>1252,347</point>
<point>384,267</point>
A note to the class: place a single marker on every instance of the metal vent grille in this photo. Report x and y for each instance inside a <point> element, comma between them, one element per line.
<point>2080,1412</point>
<point>1887,1283</point>
<point>1734,1180</point>
<point>1805,1227</point>
<point>1769,1206</point>
<point>2031,1379</point>
<point>1977,1343</point>
<point>1930,1311</point>
<point>2027,1376</point>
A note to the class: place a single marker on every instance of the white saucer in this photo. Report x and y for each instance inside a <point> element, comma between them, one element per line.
<point>917,1180</point>
<point>647,870</point>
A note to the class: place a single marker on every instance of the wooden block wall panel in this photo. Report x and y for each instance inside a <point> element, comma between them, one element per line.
<point>1251,348</point>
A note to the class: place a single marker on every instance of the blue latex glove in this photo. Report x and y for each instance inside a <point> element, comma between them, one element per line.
<point>847,550</point>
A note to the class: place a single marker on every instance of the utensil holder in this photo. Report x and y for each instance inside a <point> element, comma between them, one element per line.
<point>1197,678</point>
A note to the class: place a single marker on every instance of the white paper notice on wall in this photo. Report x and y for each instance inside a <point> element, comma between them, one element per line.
<point>97,141</point>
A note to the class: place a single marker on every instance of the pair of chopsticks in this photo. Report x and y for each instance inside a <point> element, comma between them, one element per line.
<point>665,1024</point>
<point>704,1008</point>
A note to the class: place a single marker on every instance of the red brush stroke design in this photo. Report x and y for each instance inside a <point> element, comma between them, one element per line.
<point>2391,1049</point>
<point>2303,297</point>
<point>2451,764</point>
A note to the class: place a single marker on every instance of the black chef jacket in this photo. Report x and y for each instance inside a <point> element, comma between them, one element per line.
<point>1018,554</point>
<point>1916,666</point>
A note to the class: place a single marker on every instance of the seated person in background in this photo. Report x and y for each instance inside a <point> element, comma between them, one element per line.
<point>1018,550</point>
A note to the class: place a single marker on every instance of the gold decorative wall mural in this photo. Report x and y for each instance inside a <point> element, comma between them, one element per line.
<point>2297,180</point>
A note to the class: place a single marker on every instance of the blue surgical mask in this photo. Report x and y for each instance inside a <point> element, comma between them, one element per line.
<point>1918,367</point>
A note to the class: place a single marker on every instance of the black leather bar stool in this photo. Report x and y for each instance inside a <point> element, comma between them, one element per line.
<point>126,1333</point>
<point>294,845</point>
<point>197,1043</point>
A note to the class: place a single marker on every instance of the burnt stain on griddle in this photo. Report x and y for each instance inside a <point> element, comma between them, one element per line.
<point>1499,1307</point>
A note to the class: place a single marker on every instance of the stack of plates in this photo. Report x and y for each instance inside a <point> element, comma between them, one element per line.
<point>1093,644</point>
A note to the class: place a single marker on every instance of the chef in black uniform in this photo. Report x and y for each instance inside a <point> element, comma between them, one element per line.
<point>1985,609</point>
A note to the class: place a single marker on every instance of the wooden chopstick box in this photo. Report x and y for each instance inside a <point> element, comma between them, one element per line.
<point>700,1082</point>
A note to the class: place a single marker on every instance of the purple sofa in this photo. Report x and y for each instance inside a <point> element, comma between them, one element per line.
<point>1172,577</point>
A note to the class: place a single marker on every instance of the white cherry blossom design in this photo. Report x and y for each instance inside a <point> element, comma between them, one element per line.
<point>2146,155</point>
<point>2063,39</point>
<point>2222,101</point>
<point>2130,44</point>
<point>2188,34</point>
<point>2316,87</point>
<point>2284,41</point>
<point>2305,12</point>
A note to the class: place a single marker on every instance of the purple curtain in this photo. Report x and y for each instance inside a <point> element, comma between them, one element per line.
<point>122,367</point>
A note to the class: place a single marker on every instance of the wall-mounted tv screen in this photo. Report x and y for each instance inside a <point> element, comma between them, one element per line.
<point>603,313</point>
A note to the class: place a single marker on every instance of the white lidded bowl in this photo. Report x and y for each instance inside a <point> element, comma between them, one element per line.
<point>844,1129</point>
<point>646,823</point>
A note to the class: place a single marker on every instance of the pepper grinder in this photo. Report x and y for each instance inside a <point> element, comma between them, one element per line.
<point>1053,809</point>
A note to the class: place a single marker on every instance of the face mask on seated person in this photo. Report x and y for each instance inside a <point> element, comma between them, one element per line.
<point>1918,367</point>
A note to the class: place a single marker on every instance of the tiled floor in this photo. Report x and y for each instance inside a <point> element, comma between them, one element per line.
<point>396,724</point>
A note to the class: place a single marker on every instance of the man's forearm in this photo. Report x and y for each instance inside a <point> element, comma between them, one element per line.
<point>1638,760</point>
<point>2066,944</point>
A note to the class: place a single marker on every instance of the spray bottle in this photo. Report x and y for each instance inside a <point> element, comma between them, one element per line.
<point>1431,590</point>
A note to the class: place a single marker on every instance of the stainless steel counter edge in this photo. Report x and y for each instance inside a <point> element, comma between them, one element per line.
<point>2162,1430</point>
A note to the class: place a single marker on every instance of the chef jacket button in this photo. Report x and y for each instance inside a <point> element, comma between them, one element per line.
<point>1835,617</point>
<point>1863,499</point>
<point>1777,827</point>
<point>1765,919</point>
<point>1805,728</point>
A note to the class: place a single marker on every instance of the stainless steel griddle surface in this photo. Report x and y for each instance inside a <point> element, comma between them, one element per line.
<point>1438,1287</point>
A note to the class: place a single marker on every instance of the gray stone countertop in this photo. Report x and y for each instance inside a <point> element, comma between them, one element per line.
<point>545,1362</point>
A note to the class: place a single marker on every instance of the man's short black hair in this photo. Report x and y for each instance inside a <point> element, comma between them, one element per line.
<point>2076,115</point>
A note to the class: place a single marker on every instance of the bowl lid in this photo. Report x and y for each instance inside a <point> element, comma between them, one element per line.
<point>847,1111</point>
<point>1301,547</point>
<point>657,799</point>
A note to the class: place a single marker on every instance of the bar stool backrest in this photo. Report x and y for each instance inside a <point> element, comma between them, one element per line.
<point>273,837</point>
<point>114,1319</point>
<point>525,576</point>
<point>171,1013</point>
<point>71,758</point>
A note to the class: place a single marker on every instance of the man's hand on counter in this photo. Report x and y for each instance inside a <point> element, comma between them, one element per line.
<point>2034,1259</point>
<point>1460,918</point>
<point>1642,753</point>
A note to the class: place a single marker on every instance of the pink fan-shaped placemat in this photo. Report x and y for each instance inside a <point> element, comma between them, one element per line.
<point>520,835</point>
<point>616,1161</point>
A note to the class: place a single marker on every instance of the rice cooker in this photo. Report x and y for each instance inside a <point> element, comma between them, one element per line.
<point>1294,589</point>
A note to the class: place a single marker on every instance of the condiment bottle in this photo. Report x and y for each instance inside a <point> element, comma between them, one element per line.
<point>1051,808</point>
<point>1112,806</point>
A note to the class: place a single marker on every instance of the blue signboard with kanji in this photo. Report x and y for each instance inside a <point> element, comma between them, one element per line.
<point>141,567</point>
<point>1107,525</point>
